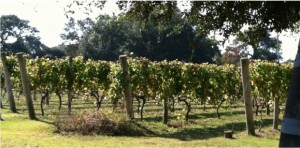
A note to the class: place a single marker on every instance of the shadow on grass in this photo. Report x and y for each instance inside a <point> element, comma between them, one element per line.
<point>188,134</point>
<point>265,122</point>
<point>197,116</point>
<point>210,107</point>
<point>223,114</point>
<point>44,121</point>
<point>153,119</point>
<point>201,133</point>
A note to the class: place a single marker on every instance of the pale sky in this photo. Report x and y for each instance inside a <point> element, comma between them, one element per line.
<point>48,17</point>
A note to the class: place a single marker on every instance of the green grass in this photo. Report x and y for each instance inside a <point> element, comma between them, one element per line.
<point>203,130</point>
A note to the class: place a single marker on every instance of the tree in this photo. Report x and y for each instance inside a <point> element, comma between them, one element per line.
<point>74,31</point>
<point>56,52</point>
<point>174,40</point>
<point>17,36</point>
<point>71,38</point>
<point>105,39</point>
<point>234,53</point>
<point>71,32</point>
<point>264,47</point>
<point>227,17</point>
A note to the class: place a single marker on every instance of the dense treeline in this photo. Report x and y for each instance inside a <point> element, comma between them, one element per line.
<point>110,36</point>
<point>171,80</point>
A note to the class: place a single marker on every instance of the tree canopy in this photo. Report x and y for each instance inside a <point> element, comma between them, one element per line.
<point>112,36</point>
<point>266,48</point>
<point>18,36</point>
<point>221,17</point>
<point>226,17</point>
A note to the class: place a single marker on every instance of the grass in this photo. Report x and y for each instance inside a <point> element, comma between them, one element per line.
<point>203,130</point>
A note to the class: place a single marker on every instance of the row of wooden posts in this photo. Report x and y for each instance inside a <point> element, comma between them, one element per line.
<point>126,90</point>
<point>27,92</point>
<point>25,85</point>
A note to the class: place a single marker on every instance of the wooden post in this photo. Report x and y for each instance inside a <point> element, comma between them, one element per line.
<point>25,84</point>
<point>127,87</point>
<point>247,96</point>
<point>276,114</point>
<point>8,84</point>
<point>70,82</point>
<point>290,128</point>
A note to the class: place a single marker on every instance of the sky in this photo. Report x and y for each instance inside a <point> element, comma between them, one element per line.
<point>48,16</point>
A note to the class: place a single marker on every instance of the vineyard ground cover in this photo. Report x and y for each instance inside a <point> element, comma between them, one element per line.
<point>204,128</point>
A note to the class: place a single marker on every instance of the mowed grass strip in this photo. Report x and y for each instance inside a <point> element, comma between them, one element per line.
<point>204,129</point>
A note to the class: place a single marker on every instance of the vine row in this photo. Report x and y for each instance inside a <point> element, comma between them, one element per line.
<point>177,81</point>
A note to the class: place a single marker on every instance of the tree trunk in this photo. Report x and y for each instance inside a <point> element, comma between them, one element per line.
<point>3,92</point>
<point>218,107</point>
<point>165,105</point>
<point>247,96</point>
<point>255,53</point>
<point>48,96</point>
<point>8,84</point>
<point>20,93</point>
<point>257,107</point>
<point>34,95</point>
<point>41,105</point>
<point>127,87</point>
<point>290,129</point>
<point>188,107</point>
<point>139,103</point>
<point>142,106</point>
<point>44,100</point>
<point>69,95</point>
<point>25,84</point>
<point>1,119</point>
<point>268,109</point>
<point>59,98</point>
<point>173,104</point>
<point>98,98</point>
<point>1,98</point>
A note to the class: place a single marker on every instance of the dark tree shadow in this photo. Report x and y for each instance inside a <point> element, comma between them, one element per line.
<point>188,134</point>
<point>215,115</point>
<point>44,121</point>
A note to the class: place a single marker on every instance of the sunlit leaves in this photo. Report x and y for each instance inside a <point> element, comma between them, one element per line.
<point>270,80</point>
<point>205,83</point>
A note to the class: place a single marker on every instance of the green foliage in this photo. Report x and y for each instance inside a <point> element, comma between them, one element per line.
<point>268,78</point>
<point>114,35</point>
<point>200,83</point>
<point>264,46</point>
<point>18,36</point>
<point>227,17</point>
<point>204,129</point>
<point>105,39</point>
<point>73,33</point>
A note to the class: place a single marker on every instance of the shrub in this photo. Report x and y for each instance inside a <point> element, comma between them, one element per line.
<point>87,123</point>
